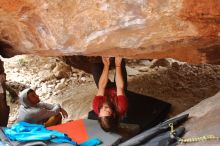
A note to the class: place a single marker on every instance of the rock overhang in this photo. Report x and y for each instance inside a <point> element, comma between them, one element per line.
<point>180,29</point>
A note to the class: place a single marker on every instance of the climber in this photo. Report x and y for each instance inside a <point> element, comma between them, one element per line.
<point>110,103</point>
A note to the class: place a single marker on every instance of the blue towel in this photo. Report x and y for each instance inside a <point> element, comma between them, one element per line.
<point>91,142</point>
<point>25,132</point>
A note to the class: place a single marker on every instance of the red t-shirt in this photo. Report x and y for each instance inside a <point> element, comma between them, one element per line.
<point>120,101</point>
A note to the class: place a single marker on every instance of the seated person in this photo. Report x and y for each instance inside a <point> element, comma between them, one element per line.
<point>110,103</point>
<point>33,111</point>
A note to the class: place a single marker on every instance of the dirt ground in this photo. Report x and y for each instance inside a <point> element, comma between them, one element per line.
<point>181,84</point>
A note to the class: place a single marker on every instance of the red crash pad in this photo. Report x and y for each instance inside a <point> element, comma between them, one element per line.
<point>76,130</point>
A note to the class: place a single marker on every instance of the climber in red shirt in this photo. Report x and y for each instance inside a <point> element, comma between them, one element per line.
<point>110,103</point>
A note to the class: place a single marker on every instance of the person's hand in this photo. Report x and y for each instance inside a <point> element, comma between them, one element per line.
<point>118,61</point>
<point>106,61</point>
<point>64,113</point>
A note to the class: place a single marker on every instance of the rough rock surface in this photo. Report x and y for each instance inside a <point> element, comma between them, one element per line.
<point>204,120</point>
<point>187,30</point>
<point>4,108</point>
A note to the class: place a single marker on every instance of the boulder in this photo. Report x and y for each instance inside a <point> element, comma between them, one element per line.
<point>186,30</point>
<point>204,120</point>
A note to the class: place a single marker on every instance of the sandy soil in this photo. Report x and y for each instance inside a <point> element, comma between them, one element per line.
<point>181,85</point>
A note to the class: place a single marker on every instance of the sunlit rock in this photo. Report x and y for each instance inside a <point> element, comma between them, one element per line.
<point>187,30</point>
